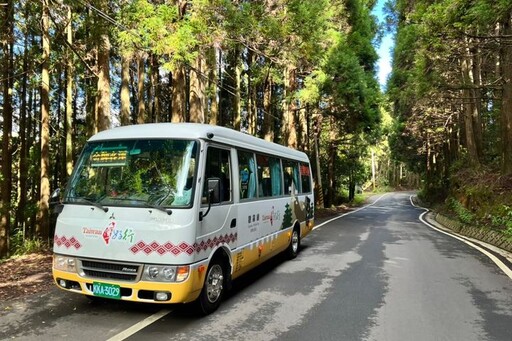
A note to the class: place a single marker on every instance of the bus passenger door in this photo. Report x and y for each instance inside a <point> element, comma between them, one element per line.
<point>220,221</point>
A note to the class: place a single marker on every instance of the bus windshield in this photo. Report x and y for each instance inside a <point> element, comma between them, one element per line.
<point>138,173</point>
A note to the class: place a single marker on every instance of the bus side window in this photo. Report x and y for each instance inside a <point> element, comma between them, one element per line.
<point>218,166</point>
<point>247,173</point>
<point>291,177</point>
<point>305,176</point>
<point>287,183</point>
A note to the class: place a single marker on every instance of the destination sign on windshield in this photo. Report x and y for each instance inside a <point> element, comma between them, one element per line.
<point>109,158</point>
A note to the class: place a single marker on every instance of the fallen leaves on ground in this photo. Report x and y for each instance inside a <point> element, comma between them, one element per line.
<point>25,275</point>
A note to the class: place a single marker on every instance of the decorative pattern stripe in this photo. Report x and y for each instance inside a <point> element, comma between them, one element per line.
<point>183,247</point>
<point>66,242</point>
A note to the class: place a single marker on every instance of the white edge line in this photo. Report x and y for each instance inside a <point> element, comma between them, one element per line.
<point>345,214</point>
<point>139,325</point>
<point>495,259</point>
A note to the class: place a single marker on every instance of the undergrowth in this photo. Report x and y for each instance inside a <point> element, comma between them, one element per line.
<point>477,197</point>
<point>23,246</point>
<point>463,214</point>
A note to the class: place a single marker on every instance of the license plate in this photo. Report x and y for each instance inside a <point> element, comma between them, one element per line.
<point>106,290</point>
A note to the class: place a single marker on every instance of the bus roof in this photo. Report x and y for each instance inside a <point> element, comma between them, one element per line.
<point>205,132</point>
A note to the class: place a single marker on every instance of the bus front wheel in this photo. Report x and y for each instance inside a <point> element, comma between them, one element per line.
<point>293,248</point>
<point>213,288</point>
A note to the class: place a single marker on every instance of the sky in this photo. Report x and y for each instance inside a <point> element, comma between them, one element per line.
<point>384,50</point>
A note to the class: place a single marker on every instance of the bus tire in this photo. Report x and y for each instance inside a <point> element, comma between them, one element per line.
<point>213,288</point>
<point>293,249</point>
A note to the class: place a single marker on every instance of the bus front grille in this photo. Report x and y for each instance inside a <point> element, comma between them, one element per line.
<point>110,270</point>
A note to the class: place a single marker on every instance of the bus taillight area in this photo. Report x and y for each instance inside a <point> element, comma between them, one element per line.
<point>177,284</point>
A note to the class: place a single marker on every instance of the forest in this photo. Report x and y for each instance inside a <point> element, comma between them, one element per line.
<point>450,93</point>
<point>301,73</point>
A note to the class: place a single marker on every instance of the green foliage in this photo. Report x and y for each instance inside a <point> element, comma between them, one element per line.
<point>433,191</point>
<point>23,246</point>
<point>504,219</point>
<point>311,92</point>
<point>359,200</point>
<point>463,214</point>
<point>428,88</point>
<point>308,21</point>
<point>508,233</point>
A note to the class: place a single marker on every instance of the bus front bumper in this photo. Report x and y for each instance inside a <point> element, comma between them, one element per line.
<point>142,291</point>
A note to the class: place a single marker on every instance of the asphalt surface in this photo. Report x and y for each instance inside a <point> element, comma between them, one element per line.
<point>378,273</point>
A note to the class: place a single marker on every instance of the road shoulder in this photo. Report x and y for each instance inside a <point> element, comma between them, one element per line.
<point>501,257</point>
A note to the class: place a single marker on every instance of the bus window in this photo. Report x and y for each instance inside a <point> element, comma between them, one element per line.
<point>291,177</point>
<point>269,176</point>
<point>247,173</point>
<point>218,166</point>
<point>305,176</point>
<point>276,176</point>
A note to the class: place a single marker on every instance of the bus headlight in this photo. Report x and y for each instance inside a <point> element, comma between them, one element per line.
<point>169,273</point>
<point>165,273</point>
<point>64,263</point>
<point>153,272</point>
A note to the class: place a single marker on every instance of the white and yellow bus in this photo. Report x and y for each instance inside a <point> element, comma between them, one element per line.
<point>172,213</point>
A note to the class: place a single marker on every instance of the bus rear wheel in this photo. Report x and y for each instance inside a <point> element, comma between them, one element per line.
<point>213,287</point>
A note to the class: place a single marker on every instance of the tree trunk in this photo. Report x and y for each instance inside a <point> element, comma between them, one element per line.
<point>373,169</point>
<point>237,103</point>
<point>267,131</point>
<point>155,90</point>
<point>197,91</point>
<point>32,140</point>
<point>7,40</point>
<point>103,99</point>
<point>141,74</point>
<point>23,187</point>
<point>251,95</point>
<point>506,104</point>
<point>91,108</point>
<point>69,102</point>
<point>212,85</point>
<point>289,124</point>
<point>351,186</point>
<point>332,163</point>
<point>178,95</point>
<point>476,94</point>
<point>42,228</point>
<point>55,134</point>
<point>125,113</point>
<point>319,189</point>
<point>469,128</point>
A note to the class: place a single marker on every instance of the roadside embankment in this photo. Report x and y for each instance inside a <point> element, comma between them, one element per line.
<point>486,235</point>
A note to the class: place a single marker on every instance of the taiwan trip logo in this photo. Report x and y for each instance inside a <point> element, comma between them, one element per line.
<point>111,233</point>
<point>107,234</point>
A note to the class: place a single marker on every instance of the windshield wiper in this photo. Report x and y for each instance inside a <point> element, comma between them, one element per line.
<point>92,203</point>
<point>160,208</point>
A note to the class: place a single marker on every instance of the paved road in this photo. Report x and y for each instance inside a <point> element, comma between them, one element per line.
<point>375,274</point>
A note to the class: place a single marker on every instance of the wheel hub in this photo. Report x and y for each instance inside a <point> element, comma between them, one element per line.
<point>214,283</point>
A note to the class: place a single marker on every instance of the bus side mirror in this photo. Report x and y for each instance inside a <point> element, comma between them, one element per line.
<point>55,202</point>
<point>55,197</point>
<point>213,195</point>
<point>214,190</point>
